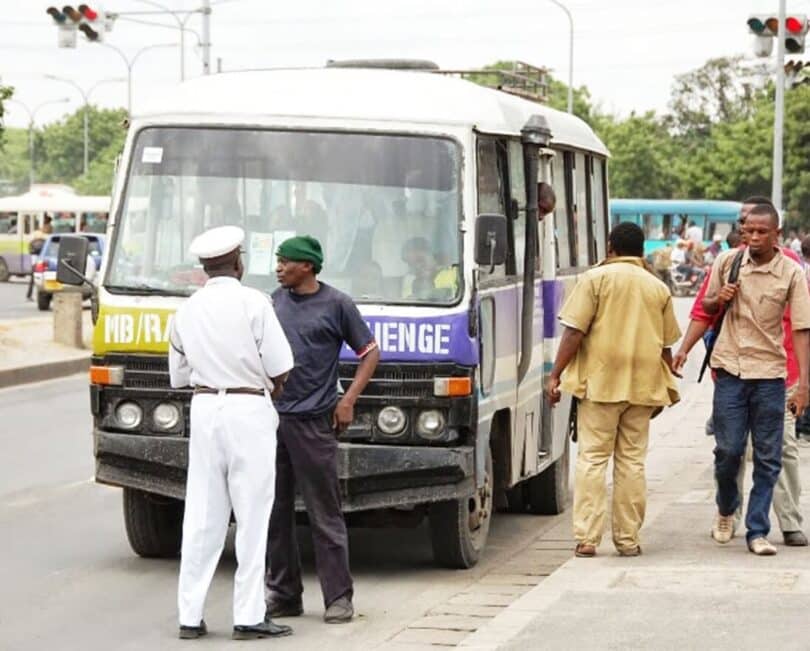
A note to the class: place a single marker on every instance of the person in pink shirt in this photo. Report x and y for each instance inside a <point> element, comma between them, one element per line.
<point>787,491</point>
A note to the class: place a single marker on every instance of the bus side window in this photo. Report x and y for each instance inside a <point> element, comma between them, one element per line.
<point>491,190</point>
<point>582,218</point>
<point>599,196</point>
<point>561,215</point>
<point>517,192</point>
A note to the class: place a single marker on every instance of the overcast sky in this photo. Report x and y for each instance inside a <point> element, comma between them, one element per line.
<point>626,51</point>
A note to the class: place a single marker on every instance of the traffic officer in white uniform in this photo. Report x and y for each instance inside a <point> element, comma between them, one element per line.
<point>227,343</point>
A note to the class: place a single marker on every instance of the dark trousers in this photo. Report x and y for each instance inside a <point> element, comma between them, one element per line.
<point>306,457</point>
<point>740,406</point>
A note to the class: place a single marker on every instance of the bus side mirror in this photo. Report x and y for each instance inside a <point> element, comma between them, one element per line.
<point>72,260</point>
<point>490,240</point>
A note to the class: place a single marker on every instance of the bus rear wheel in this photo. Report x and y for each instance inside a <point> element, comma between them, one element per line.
<point>4,273</point>
<point>459,528</point>
<point>154,523</point>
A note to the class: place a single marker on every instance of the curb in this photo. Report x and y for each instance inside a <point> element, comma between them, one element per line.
<point>39,372</point>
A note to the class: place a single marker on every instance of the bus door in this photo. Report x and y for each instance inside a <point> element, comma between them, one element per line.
<point>528,390</point>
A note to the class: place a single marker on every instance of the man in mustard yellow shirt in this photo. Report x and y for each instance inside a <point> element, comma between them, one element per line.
<point>615,358</point>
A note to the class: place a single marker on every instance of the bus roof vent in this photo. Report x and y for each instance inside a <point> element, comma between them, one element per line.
<point>384,64</point>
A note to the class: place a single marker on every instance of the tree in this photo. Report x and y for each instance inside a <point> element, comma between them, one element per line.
<point>14,161</point>
<point>642,156</point>
<point>59,147</point>
<point>5,93</point>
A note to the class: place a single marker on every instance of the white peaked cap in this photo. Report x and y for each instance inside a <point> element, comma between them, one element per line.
<point>217,241</point>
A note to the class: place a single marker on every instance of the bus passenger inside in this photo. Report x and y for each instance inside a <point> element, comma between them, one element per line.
<point>425,278</point>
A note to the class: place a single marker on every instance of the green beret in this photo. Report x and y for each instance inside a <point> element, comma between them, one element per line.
<point>303,248</point>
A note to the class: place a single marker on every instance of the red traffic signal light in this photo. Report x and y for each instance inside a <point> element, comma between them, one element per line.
<point>794,25</point>
<point>58,17</point>
<point>88,12</point>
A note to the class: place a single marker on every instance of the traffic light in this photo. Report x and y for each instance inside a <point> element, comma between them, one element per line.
<point>84,18</point>
<point>765,26</point>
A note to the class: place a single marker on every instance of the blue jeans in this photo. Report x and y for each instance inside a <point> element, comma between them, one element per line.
<point>741,406</point>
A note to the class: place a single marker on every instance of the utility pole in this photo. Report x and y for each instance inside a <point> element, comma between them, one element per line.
<point>206,36</point>
<point>570,53</point>
<point>779,110</point>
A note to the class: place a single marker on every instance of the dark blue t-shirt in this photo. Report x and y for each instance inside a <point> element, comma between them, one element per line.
<point>316,326</point>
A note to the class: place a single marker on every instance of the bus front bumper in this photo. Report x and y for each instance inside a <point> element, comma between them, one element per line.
<point>370,476</point>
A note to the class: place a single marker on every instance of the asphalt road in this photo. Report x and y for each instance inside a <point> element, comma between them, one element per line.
<point>12,300</point>
<point>70,581</point>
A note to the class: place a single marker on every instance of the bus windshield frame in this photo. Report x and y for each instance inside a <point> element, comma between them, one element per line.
<point>397,194</point>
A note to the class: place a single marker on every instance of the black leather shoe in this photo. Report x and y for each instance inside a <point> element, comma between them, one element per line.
<point>193,632</point>
<point>266,629</point>
<point>339,611</point>
<point>794,538</point>
<point>282,608</point>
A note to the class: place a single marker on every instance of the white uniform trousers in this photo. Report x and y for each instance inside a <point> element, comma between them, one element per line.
<point>231,465</point>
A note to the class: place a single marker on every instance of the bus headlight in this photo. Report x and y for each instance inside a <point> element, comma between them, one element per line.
<point>430,424</point>
<point>128,415</point>
<point>391,420</point>
<point>166,416</point>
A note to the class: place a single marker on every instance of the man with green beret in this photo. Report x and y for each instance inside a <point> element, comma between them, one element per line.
<point>317,319</point>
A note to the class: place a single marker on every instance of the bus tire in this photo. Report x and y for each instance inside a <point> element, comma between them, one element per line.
<point>459,528</point>
<point>44,301</point>
<point>154,523</point>
<point>547,493</point>
<point>4,273</point>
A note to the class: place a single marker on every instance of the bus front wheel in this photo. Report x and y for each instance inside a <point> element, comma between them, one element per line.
<point>4,273</point>
<point>154,523</point>
<point>459,528</point>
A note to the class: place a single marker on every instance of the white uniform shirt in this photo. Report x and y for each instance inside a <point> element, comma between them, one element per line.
<point>227,336</point>
<point>694,233</point>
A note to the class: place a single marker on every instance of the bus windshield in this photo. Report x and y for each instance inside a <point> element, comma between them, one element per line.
<point>384,207</point>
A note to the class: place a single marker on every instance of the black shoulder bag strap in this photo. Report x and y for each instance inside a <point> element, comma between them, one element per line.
<point>733,275</point>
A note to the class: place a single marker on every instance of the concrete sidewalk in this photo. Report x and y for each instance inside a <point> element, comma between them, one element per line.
<point>685,592</point>
<point>28,352</point>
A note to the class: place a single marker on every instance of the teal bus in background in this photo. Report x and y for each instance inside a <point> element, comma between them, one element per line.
<point>666,220</point>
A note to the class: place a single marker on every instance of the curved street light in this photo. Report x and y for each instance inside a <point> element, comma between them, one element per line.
<point>32,115</point>
<point>181,25</point>
<point>86,97</point>
<point>570,53</point>
<point>130,64</point>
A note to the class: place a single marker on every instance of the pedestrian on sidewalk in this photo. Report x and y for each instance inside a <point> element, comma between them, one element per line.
<point>227,343</point>
<point>750,363</point>
<point>788,489</point>
<point>615,354</point>
<point>318,319</point>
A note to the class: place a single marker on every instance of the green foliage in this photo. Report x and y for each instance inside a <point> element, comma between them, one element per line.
<point>5,93</point>
<point>59,152</point>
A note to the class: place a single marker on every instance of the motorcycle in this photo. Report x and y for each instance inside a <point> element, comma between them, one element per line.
<point>683,282</point>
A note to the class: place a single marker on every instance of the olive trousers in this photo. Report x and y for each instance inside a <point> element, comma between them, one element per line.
<point>617,430</point>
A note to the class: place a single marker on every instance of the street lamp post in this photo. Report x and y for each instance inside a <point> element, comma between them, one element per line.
<point>779,111</point>
<point>86,97</point>
<point>570,53</point>
<point>130,63</point>
<point>181,25</point>
<point>32,115</point>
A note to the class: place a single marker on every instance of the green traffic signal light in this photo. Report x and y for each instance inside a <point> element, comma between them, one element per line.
<point>756,25</point>
<point>58,17</point>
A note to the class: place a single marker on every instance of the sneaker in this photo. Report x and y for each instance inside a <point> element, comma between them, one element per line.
<point>585,550</point>
<point>723,528</point>
<point>339,611</point>
<point>761,547</point>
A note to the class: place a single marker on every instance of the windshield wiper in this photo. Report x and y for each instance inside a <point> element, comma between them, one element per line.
<point>143,288</point>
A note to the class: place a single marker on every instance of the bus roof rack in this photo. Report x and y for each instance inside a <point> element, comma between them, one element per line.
<point>384,64</point>
<point>521,79</point>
